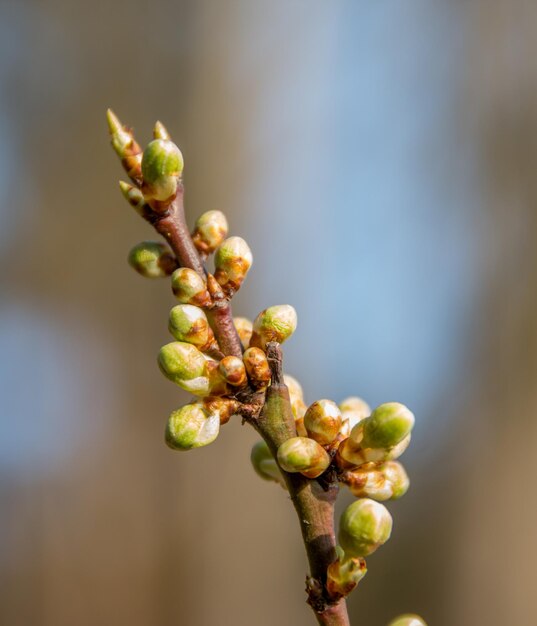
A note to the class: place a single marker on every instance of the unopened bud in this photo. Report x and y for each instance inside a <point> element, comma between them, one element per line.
<point>364,526</point>
<point>160,132</point>
<point>257,367</point>
<point>244,329</point>
<point>387,481</point>
<point>189,323</point>
<point>232,261</point>
<point>125,146</point>
<point>351,454</point>
<point>223,407</point>
<point>344,574</point>
<point>192,426</point>
<point>135,198</point>
<point>353,410</point>
<point>210,231</point>
<point>190,288</point>
<point>265,464</point>
<point>304,455</point>
<point>407,620</point>
<point>162,165</point>
<point>277,323</point>
<point>233,371</point>
<point>323,421</point>
<point>387,425</point>
<point>296,396</point>
<point>152,259</point>
<point>185,365</point>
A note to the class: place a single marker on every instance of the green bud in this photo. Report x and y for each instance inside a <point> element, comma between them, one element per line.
<point>344,574</point>
<point>152,259</point>
<point>125,146</point>
<point>265,464</point>
<point>323,421</point>
<point>162,165</point>
<point>192,426</point>
<point>134,197</point>
<point>364,526</point>
<point>210,231</point>
<point>244,329</point>
<point>184,365</point>
<point>257,367</point>
<point>160,132</point>
<point>190,288</point>
<point>387,425</point>
<point>407,620</point>
<point>304,455</point>
<point>277,323</point>
<point>189,323</point>
<point>232,261</point>
<point>352,454</point>
<point>387,481</point>
<point>233,371</point>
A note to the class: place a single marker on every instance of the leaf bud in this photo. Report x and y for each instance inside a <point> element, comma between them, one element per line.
<point>192,426</point>
<point>344,574</point>
<point>364,526</point>
<point>265,464</point>
<point>233,371</point>
<point>232,261</point>
<point>277,323</point>
<point>162,165</point>
<point>210,230</point>
<point>244,329</point>
<point>125,146</point>
<point>304,455</point>
<point>152,259</point>
<point>189,323</point>
<point>160,132</point>
<point>407,620</point>
<point>387,425</point>
<point>185,365</point>
<point>323,421</point>
<point>387,481</point>
<point>190,288</point>
<point>135,198</point>
<point>257,367</point>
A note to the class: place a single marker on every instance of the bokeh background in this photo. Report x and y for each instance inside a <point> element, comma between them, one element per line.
<point>380,158</point>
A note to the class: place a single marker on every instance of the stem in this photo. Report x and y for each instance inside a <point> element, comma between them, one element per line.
<point>314,505</point>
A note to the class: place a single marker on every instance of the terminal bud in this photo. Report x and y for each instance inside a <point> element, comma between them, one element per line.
<point>162,165</point>
<point>125,146</point>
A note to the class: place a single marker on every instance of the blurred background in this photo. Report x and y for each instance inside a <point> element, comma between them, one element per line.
<point>379,158</point>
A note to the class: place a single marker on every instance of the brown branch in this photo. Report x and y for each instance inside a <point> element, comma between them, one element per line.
<point>314,504</point>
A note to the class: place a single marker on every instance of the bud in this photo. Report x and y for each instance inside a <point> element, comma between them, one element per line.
<point>351,454</point>
<point>364,526</point>
<point>223,407</point>
<point>353,410</point>
<point>296,396</point>
<point>233,371</point>
<point>160,132</point>
<point>323,421</point>
<point>407,620</point>
<point>387,481</point>
<point>189,323</point>
<point>192,426</point>
<point>190,288</point>
<point>244,330</point>
<point>152,259</point>
<point>162,165</point>
<point>125,146</point>
<point>232,261</point>
<point>387,425</point>
<point>257,367</point>
<point>135,198</point>
<point>344,574</point>
<point>210,231</point>
<point>300,428</point>
<point>300,454</point>
<point>277,323</point>
<point>265,464</point>
<point>185,365</point>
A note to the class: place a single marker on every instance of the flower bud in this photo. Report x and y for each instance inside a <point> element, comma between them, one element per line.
<point>160,132</point>
<point>277,323</point>
<point>125,146</point>
<point>210,231</point>
<point>344,574</point>
<point>232,261</point>
<point>353,410</point>
<point>387,481</point>
<point>300,454</point>
<point>185,365</point>
<point>407,620</point>
<point>296,396</point>
<point>323,421</point>
<point>244,330</point>
<point>189,323</point>
<point>192,426</point>
<point>265,464</point>
<point>190,288</point>
<point>257,367</point>
<point>300,428</point>
<point>351,454</point>
<point>364,526</point>
<point>152,259</point>
<point>233,371</point>
<point>387,425</point>
<point>162,165</point>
